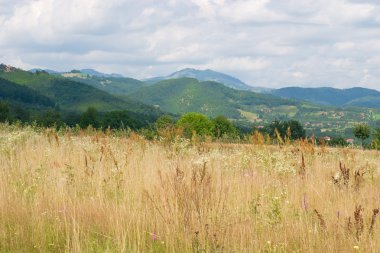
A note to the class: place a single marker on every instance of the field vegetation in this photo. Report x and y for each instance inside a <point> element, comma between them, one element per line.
<point>77,190</point>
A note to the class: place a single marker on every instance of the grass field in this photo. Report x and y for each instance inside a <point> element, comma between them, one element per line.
<point>95,192</point>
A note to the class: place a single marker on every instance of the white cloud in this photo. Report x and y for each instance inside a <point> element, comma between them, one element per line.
<point>239,63</point>
<point>341,46</point>
<point>298,74</point>
<point>264,42</point>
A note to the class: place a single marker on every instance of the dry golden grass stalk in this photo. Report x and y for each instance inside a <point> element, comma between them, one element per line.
<point>117,192</point>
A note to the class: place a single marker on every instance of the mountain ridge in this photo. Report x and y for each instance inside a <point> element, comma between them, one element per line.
<point>72,95</point>
<point>204,75</point>
<point>355,96</point>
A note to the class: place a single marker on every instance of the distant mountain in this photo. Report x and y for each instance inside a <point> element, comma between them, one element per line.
<point>113,85</point>
<point>330,96</point>
<point>92,72</point>
<point>211,98</point>
<point>17,94</point>
<point>53,72</point>
<point>73,95</point>
<point>84,72</point>
<point>205,75</point>
<point>245,108</point>
<point>76,91</point>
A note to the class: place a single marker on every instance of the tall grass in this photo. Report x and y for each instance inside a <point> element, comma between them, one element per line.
<point>88,191</point>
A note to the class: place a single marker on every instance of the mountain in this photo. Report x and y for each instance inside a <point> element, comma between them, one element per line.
<point>113,85</point>
<point>245,108</point>
<point>49,71</point>
<point>73,95</point>
<point>92,72</point>
<point>211,98</point>
<point>205,75</point>
<point>17,94</point>
<point>330,96</point>
<point>85,72</point>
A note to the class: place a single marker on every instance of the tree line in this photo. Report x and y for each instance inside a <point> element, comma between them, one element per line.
<point>188,125</point>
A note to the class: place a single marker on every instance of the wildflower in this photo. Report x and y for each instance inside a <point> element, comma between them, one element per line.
<point>356,247</point>
<point>268,242</point>
<point>154,236</point>
<point>305,203</point>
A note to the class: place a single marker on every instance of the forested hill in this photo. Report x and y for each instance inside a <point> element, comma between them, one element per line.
<point>17,94</point>
<point>211,98</point>
<point>73,95</point>
<point>330,96</point>
<point>113,85</point>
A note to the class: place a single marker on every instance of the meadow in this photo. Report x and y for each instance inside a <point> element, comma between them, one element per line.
<point>89,191</point>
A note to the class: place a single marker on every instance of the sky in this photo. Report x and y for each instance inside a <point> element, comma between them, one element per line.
<point>267,43</point>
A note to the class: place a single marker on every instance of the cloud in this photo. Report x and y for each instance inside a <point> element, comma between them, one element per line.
<point>263,42</point>
<point>341,46</point>
<point>242,63</point>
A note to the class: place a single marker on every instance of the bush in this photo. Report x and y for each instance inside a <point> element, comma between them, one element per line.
<point>291,129</point>
<point>362,132</point>
<point>193,122</point>
<point>224,128</point>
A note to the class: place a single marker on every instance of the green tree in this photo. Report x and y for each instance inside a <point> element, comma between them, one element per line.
<point>338,142</point>
<point>198,123</point>
<point>50,118</point>
<point>120,120</point>
<point>296,129</point>
<point>376,139</point>
<point>90,117</point>
<point>20,113</point>
<point>362,132</point>
<point>223,127</point>
<point>164,122</point>
<point>4,112</point>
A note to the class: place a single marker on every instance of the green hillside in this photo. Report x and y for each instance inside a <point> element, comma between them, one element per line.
<point>17,94</point>
<point>244,107</point>
<point>330,96</point>
<point>112,85</point>
<point>210,98</point>
<point>73,95</point>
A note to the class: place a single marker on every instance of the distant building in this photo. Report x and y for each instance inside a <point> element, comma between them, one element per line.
<point>350,141</point>
<point>327,138</point>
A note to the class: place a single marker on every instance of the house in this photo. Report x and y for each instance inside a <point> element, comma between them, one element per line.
<point>350,141</point>
<point>327,138</point>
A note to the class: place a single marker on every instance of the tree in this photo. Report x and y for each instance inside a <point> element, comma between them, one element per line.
<point>4,112</point>
<point>223,127</point>
<point>120,120</point>
<point>50,118</point>
<point>338,142</point>
<point>198,123</point>
<point>286,128</point>
<point>20,113</point>
<point>164,122</point>
<point>376,139</point>
<point>90,117</point>
<point>362,132</point>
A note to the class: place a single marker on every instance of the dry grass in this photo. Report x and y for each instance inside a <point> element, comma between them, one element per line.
<point>95,192</point>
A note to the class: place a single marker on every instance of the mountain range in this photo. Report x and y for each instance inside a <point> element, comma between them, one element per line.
<point>44,90</point>
<point>89,72</point>
<point>205,91</point>
<point>357,96</point>
<point>118,85</point>
<point>209,75</point>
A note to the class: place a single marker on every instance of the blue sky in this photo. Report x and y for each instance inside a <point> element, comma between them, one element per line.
<point>270,43</point>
